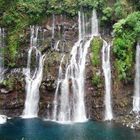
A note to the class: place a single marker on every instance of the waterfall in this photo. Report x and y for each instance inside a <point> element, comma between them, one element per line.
<point>95,30</point>
<point>53,26</point>
<point>57,45</point>
<point>2,37</point>
<point>107,74</point>
<point>70,84</point>
<point>3,118</point>
<point>136,98</point>
<point>33,79</point>
<point>60,78</point>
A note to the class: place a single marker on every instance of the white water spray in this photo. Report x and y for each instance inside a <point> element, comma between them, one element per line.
<point>60,78</point>
<point>2,44</point>
<point>33,80</point>
<point>136,98</point>
<point>57,45</point>
<point>3,118</point>
<point>72,104</point>
<point>107,74</point>
<point>95,29</point>
<point>53,25</point>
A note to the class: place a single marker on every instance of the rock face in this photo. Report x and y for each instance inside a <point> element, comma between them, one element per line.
<point>11,93</point>
<point>12,90</point>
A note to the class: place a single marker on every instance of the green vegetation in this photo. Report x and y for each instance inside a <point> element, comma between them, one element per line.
<point>121,9</point>
<point>123,15</point>
<point>127,32</point>
<point>111,14</point>
<point>136,4</point>
<point>96,46</point>
<point>17,16</point>
<point>96,80</point>
<point>125,20</point>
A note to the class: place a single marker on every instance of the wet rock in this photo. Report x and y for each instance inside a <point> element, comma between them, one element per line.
<point>4,91</point>
<point>131,120</point>
<point>49,84</point>
<point>12,95</point>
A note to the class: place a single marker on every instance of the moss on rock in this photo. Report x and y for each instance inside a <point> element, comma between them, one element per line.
<point>96,46</point>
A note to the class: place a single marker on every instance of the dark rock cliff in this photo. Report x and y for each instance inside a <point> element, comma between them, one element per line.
<point>12,90</point>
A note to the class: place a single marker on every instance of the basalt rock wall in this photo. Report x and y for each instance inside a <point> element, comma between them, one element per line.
<point>12,90</point>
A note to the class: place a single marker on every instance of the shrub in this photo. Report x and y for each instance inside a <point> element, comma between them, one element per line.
<point>96,45</point>
<point>127,33</point>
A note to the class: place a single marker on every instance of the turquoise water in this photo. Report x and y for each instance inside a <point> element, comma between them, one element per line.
<point>36,129</point>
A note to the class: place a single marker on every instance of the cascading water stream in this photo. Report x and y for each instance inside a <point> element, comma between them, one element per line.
<point>3,118</point>
<point>60,78</point>
<point>53,26</point>
<point>136,98</point>
<point>71,101</point>
<point>107,74</point>
<point>54,45</point>
<point>33,79</point>
<point>2,36</point>
<point>95,29</point>
<point>57,45</point>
